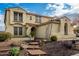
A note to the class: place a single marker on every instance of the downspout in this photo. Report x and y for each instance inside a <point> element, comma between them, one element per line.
<point>5,19</point>
<point>47,32</point>
<point>50,31</point>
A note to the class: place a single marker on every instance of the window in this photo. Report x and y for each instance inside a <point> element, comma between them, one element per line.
<point>15,16</point>
<point>38,19</point>
<point>18,16</point>
<point>30,17</point>
<point>20,30</point>
<point>17,30</point>
<point>65,29</point>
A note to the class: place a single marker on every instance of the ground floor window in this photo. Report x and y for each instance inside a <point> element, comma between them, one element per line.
<point>65,29</point>
<point>18,30</point>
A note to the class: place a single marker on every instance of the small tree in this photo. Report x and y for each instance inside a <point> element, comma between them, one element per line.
<point>33,32</point>
<point>53,38</point>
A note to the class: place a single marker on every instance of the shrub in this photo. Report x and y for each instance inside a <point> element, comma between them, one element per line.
<point>14,51</point>
<point>33,31</point>
<point>4,36</point>
<point>53,38</point>
<point>32,34</point>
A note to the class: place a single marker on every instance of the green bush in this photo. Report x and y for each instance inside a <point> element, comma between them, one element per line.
<point>32,34</point>
<point>4,36</point>
<point>53,38</point>
<point>33,31</point>
<point>14,51</point>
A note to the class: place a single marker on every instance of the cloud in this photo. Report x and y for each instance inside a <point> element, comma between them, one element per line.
<point>2,26</point>
<point>1,18</point>
<point>58,9</point>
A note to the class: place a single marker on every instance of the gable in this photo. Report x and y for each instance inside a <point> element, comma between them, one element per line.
<point>19,9</point>
<point>66,18</point>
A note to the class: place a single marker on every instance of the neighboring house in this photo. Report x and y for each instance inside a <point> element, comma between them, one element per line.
<point>77,31</point>
<point>19,23</point>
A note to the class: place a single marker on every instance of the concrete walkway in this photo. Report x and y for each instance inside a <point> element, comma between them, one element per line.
<point>33,49</point>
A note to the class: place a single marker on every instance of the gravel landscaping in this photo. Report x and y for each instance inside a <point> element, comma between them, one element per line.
<point>58,49</point>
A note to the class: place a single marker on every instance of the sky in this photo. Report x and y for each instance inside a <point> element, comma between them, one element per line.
<point>48,9</point>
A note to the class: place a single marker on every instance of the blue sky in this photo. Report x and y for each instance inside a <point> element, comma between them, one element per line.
<point>40,8</point>
<point>48,9</point>
<point>27,6</point>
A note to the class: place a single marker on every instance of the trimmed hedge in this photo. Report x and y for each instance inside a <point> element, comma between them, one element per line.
<point>53,38</point>
<point>4,36</point>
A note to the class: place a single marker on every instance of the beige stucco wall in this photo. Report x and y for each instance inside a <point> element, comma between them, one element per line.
<point>70,28</point>
<point>11,16</point>
<point>28,30</point>
<point>56,29</point>
<point>26,17</point>
<point>33,21</point>
<point>41,31</point>
<point>44,31</point>
<point>10,29</point>
<point>10,24</point>
<point>44,19</point>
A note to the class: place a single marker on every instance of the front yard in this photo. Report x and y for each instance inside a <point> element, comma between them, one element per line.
<point>35,48</point>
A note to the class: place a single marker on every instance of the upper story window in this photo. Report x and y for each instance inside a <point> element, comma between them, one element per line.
<point>38,19</point>
<point>18,16</point>
<point>30,17</point>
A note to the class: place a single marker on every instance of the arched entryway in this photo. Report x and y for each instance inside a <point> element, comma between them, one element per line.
<point>33,31</point>
<point>65,29</point>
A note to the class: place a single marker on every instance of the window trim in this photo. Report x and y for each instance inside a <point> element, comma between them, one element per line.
<point>65,29</point>
<point>30,17</point>
<point>15,31</point>
<point>38,19</point>
<point>18,18</point>
<point>18,31</point>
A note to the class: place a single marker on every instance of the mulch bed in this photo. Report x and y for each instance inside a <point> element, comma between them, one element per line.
<point>58,49</point>
<point>51,48</point>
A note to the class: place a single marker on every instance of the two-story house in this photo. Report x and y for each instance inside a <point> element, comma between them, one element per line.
<point>19,23</point>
